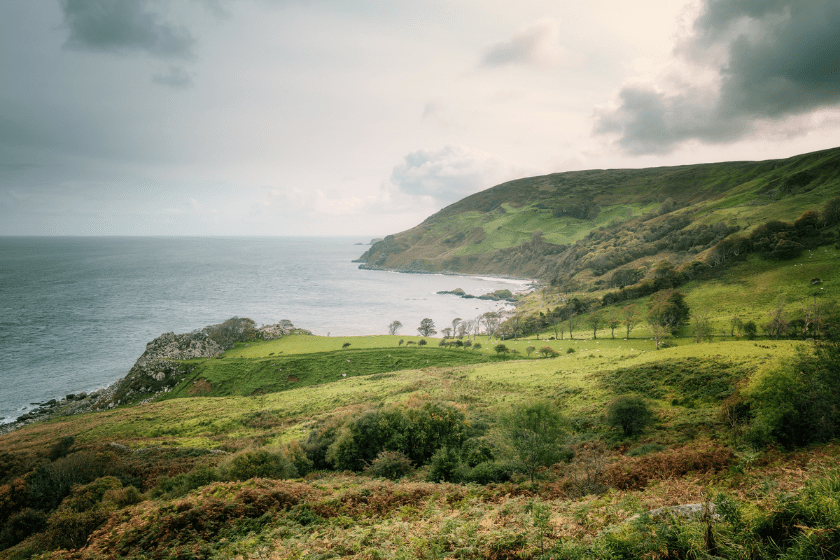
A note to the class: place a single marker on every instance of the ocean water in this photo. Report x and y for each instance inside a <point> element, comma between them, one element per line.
<point>75,313</point>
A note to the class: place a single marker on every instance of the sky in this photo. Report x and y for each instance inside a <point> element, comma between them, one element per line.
<point>364,117</point>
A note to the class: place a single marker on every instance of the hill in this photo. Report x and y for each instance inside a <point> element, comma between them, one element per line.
<point>578,229</point>
<point>406,456</point>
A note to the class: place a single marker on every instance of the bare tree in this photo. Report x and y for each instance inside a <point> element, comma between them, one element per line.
<point>631,317</point>
<point>701,321</point>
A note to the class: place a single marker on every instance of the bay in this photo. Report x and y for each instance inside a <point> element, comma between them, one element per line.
<point>75,313</point>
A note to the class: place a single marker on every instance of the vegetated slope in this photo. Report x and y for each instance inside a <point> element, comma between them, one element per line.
<point>571,228</point>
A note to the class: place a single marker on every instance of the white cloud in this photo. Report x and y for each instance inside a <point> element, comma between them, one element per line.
<point>450,173</point>
<point>537,44</point>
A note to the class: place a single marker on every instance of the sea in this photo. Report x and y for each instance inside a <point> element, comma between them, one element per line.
<point>77,312</point>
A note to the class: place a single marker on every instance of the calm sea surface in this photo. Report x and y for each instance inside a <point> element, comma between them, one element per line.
<point>75,313</point>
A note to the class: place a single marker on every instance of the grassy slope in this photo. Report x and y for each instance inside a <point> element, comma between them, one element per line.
<point>470,235</point>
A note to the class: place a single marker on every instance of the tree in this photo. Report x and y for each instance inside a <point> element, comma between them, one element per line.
<point>530,350</point>
<point>629,413</point>
<point>548,352</point>
<point>501,349</point>
<point>427,327</point>
<point>394,327</point>
<point>668,308</point>
<point>702,324</point>
<point>531,436</point>
<point>594,320</point>
<point>631,317</point>
<point>658,331</point>
<point>455,322</point>
<point>613,321</point>
<point>447,332</point>
<point>491,322</point>
<point>736,324</point>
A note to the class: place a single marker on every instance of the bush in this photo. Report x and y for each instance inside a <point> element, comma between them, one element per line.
<point>392,465</point>
<point>421,342</point>
<point>444,465</point>
<point>21,525</point>
<point>182,484</point>
<point>260,464</point>
<point>488,472</point>
<point>548,352</point>
<point>531,434</point>
<point>629,413</point>
<point>80,514</point>
<point>417,433</point>
<point>61,448</point>
<point>49,484</point>
<point>501,349</point>
<point>796,404</point>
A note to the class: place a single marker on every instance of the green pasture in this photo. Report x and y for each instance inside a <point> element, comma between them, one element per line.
<point>251,376</point>
<point>583,382</point>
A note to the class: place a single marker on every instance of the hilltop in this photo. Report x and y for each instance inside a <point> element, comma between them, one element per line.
<point>581,229</point>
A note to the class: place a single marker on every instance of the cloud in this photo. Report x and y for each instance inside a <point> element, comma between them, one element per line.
<point>764,61</point>
<point>124,26</point>
<point>176,77</point>
<point>537,45</point>
<point>450,173</point>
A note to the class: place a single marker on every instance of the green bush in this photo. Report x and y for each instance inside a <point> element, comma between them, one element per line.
<point>49,484</point>
<point>530,436</point>
<point>392,465</point>
<point>415,432</point>
<point>21,525</point>
<point>488,472</point>
<point>184,483</point>
<point>81,513</point>
<point>797,403</point>
<point>444,465</point>
<point>629,413</point>
<point>260,464</point>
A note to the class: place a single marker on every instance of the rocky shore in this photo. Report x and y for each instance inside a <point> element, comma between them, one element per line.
<point>156,371</point>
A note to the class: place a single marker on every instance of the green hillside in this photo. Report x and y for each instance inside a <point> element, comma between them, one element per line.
<point>671,391</point>
<point>572,229</point>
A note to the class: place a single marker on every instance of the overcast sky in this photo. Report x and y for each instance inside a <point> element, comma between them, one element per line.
<point>326,117</point>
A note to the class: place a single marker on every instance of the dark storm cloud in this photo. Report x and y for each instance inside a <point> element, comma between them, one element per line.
<point>124,26</point>
<point>780,58</point>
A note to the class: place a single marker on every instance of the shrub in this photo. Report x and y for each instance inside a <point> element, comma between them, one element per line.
<point>501,349</point>
<point>488,472</point>
<point>61,448</point>
<point>530,436</point>
<point>634,473</point>
<point>260,464</point>
<point>392,465</point>
<point>477,346</point>
<point>415,432</point>
<point>49,484</point>
<point>183,483</point>
<point>629,413</point>
<point>421,342</point>
<point>529,350</point>
<point>570,351</point>
<point>82,512</point>
<point>21,525</point>
<point>548,352</point>
<point>796,404</point>
<point>444,465</point>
